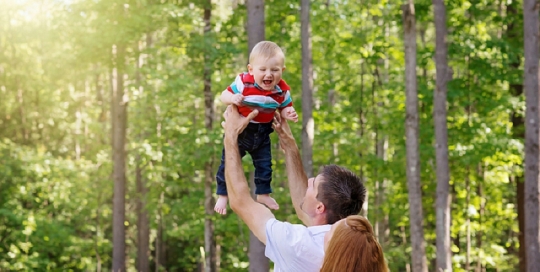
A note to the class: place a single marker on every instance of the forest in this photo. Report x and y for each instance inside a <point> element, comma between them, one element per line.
<point>110,134</point>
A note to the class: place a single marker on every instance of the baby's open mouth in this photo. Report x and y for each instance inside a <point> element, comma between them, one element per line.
<point>267,82</point>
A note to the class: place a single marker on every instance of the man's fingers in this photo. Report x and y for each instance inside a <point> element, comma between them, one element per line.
<point>284,125</point>
<point>277,117</point>
<point>225,112</point>
<point>275,124</point>
<point>230,108</point>
<point>252,115</point>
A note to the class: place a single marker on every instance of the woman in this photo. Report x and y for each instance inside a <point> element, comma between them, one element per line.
<point>350,246</point>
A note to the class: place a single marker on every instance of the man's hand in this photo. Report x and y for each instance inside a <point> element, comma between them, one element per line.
<point>282,129</point>
<point>235,123</point>
<point>290,114</point>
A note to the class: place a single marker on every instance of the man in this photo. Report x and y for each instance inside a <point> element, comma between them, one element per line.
<point>320,201</point>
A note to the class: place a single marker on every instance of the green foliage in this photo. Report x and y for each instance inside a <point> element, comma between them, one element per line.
<point>56,66</point>
<point>43,211</point>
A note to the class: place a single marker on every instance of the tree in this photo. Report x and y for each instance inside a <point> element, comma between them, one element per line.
<point>418,253</point>
<point>442,207</point>
<point>532,117</point>
<point>256,33</point>
<point>513,33</point>
<point>119,125</point>
<point>143,224</point>
<point>143,221</point>
<point>209,241</point>
<point>255,22</point>
<point>308,124</point>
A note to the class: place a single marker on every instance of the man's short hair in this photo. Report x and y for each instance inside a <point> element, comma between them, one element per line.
<point>341,191</point>
<point>266,50</point>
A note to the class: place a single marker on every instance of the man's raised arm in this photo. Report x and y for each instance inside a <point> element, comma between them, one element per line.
<point>295,170</point>
<point>254,214</point>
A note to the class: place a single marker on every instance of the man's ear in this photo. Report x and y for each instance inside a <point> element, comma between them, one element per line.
<point>321,208</point>
<point>250,69</point>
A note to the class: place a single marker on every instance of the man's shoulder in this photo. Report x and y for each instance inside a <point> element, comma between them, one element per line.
<point>287,235</point>
<point>316,230</point>
<point>298,228</point>
<point>295,247</point>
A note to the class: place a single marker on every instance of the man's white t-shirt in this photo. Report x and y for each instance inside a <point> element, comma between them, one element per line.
<point>293,247</point>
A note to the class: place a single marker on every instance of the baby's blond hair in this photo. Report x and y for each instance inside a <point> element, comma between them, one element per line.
<point>266,50</point>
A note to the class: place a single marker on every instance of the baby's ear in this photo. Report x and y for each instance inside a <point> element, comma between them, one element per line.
<point>250,69</point>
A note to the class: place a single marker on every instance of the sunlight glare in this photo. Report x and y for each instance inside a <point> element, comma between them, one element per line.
<point>27,10</point>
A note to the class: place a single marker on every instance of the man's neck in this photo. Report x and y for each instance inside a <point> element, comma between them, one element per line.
<point>319,220</point>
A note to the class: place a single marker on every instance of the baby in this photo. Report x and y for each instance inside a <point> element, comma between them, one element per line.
<point>263,89</point>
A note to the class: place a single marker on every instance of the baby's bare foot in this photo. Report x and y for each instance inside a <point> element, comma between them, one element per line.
<point>268,201</point>
<point>221,204</point>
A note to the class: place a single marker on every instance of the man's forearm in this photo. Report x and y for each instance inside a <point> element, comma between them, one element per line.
<point>286,139</point>
<point>254,214</point>
<point>234,175</point>
<point>296,175</point>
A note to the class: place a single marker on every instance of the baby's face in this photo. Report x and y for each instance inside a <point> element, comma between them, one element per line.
<point>267,72</point>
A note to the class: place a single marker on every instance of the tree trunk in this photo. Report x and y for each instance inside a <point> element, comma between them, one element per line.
<point>444,74</point>
<point>256,33</point>
<point>468,222</point>
<point>308,124</point>
<point>143,223</point>
<point>382,230</point>
<point>119,125</point>
<point>360,133</point>
<point>419,261</point>
<point>100,90</point>
<point>376,141</point>
<point>255,22</point>
<point>520,194</point>
<point>159,257</point>
<point>532,193</point>
<point>481,213</point>
<point>404,243</point>
<point>258,262</point>
<point>381,222</point>
<point>518,127</point>
<point>209,241</point>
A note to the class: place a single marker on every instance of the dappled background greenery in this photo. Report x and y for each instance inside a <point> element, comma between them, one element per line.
<point>55,125</point>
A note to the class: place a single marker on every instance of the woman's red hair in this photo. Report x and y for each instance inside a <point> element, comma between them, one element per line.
<point>353,248</point>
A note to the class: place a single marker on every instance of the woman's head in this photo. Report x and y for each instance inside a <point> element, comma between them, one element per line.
<point>351,246</point>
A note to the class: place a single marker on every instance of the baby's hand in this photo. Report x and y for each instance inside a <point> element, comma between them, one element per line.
<point>290,114</point>
<point>237,99</point>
